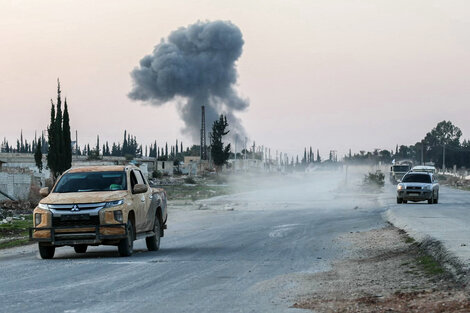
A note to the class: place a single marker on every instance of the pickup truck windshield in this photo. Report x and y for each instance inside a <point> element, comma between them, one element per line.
<point>91,181</point>
<point>417,178</point>
<point>401,168</point>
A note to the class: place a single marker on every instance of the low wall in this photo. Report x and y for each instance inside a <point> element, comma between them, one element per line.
<point>17,185</point>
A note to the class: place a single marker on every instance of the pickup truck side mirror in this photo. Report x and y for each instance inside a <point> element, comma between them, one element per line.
<point>140,188</point>
<point>44,192</point>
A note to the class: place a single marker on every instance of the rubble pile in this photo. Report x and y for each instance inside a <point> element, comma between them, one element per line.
<point>174,180</point>
<point>454,181</point>
<point>14,210</point>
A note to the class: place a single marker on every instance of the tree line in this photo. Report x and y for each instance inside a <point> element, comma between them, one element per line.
<point>23,146</point>
<point>443,141</point>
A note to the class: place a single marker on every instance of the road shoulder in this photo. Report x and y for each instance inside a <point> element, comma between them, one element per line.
<point>441,232</point>
<point>386,271</point>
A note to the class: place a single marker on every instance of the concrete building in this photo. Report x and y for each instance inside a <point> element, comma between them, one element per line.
<point>246,165</point>
<point>165,167</point>
<point>191,159</point>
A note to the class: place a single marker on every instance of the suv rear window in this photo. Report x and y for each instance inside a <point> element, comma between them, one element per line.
<point>417,178</point>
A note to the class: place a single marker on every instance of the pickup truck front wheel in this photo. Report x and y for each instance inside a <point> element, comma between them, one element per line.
<point>126,245</point>
<point>46,252</point>
<point>153,242</point>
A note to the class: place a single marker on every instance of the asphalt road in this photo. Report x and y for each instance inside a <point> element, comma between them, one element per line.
<point>234,255</point>
<point>447,222</point>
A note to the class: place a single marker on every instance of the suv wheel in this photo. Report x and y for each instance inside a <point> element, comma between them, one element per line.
<point>399,200</point>
<point>436,200</point>
<point>46,252</point>
<point>431,201</point>
<point>153,242</point>
<point>126,245</point>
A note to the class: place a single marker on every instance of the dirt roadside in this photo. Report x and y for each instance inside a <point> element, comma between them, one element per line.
<point>386,272</point>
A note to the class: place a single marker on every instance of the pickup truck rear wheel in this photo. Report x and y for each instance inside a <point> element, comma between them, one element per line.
<point>46,252</point>
<point>80,248</point>
<point>126,245</point>
<point>153,242</point>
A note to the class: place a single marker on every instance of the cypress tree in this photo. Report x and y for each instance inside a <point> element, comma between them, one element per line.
<point>124,144</point>
<point>219,153</point>
<point>67,141</point>
<point>22,148</point>
<point>38,156</point>
<point>97,148</point>
<point>52,155</point>
<point>59,138</point>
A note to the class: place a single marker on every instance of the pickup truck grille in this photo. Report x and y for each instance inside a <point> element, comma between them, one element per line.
<point>75,220</point>
<point>81,206</point>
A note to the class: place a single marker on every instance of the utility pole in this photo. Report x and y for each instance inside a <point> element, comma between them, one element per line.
<point>245,148</point>
<point>422,153</point>
<point>203,134</point>
<point>236,140</point>
<point>444,158</point>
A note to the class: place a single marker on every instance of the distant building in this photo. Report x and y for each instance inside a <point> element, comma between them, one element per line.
<point>165,167</point>
<point>191,159</point>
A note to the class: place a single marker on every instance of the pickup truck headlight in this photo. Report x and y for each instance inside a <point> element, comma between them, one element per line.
<point>43,206</point>
<point>400,187</point>
<point>427,187</point>
<point>113,203</point>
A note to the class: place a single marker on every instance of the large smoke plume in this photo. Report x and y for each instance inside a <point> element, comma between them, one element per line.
<point>195,66</point>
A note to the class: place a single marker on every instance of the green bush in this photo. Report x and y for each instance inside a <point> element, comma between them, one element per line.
<point>377,178</point>
<point>189,180</point>
<point>157,174</point>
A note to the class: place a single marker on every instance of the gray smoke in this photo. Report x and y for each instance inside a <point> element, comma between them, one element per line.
<point>196,63</point>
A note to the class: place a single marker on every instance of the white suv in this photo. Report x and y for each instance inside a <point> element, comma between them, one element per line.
<point>418,186</point>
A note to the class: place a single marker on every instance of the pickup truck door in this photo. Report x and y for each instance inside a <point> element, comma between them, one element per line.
<point>148,211</point>
<point>138,201</point>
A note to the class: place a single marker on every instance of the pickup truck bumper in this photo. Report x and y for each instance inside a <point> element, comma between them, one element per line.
<point>73,235</point>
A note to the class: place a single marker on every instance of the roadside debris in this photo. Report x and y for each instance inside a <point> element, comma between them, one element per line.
<point>385,273</point>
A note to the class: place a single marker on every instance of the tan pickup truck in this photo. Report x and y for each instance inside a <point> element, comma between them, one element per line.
<point>99,205</point>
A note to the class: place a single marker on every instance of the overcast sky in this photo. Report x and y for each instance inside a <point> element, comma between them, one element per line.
<point>329,74</point>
